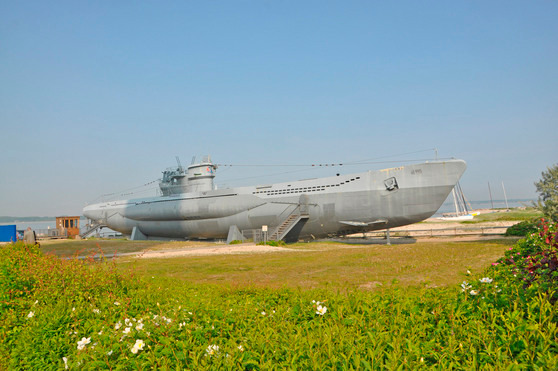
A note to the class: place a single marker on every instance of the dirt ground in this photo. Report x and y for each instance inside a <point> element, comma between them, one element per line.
<point>245,248</point>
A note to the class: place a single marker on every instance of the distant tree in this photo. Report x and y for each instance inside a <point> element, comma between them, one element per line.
<point>547,188</point>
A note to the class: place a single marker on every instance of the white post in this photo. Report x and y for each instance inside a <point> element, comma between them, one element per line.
<point>264,231</point>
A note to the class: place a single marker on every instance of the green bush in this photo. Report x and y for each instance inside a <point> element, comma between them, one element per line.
<point>524,228</point>
<point>533,261</point>
<point>87,315</point>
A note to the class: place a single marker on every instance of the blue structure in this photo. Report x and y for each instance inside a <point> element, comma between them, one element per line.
<point>8,233</point>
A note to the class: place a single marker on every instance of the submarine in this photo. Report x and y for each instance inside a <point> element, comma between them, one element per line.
<point>191,207</point>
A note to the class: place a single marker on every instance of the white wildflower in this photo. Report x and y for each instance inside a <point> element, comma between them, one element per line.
<point>65,359</point>
<point>139,326</point>
<point>474,292</point>
<point>263,313</point>
<point>96,311</point>
<point>118,325</point>
<point>321,310</point>
<point>83,342</point>
<point>100,332</point>
<point>127,322</point>
<point>137,346</point>
<point>486,280</point>
<point>241,348</point>
<point>465,286</point>
<point>109,352</point>
<point>126,331</point>
<point>31,314</point>
<point>212,350</point>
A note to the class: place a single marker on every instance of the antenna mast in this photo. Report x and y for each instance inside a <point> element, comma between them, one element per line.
<point>180,168</point>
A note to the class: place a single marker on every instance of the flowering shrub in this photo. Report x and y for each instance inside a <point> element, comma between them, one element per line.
<point>523,228</point>
<point>57,314</point>
<point>533,261</point>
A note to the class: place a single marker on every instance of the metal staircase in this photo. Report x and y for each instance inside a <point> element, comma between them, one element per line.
<point>288,224</point>
<point>92,229</point>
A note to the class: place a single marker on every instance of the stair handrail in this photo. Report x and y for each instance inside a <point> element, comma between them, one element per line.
<point>275,235</point>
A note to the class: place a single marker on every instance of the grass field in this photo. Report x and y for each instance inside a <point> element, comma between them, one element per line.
<point>304,265</point>
<point>314,306</point>
<point>332,265</point>
<point>516,214</point>
<point>97,247</point>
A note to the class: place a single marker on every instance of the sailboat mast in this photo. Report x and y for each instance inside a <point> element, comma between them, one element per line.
<point>455,202</point>
<point>505,197</point>
<point>490,193</point>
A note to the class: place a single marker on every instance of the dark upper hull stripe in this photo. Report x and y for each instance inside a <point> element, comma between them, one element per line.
<point>183,199</point>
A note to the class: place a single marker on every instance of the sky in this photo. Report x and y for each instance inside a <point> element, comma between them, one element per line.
<point>99,97</point>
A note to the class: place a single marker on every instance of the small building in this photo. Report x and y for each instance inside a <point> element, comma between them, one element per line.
<point>68,226</point>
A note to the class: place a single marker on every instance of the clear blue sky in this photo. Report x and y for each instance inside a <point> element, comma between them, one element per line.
<point>97,97</point>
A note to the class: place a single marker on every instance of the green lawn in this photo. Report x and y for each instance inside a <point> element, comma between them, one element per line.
<point>331,265</point>
<point>303,265</point>
<point>515,214</point>
<point>96,247</point>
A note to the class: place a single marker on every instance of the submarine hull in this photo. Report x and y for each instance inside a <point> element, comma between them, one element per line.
<point>359,202</point>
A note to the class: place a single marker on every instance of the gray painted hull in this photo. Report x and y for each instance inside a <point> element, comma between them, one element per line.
<point>335,205</point>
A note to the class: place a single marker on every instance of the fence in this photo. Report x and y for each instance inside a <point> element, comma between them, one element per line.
<point>56,233</point>
<point>443,232</point>
<point>51,233</point>
<point>254,235</point>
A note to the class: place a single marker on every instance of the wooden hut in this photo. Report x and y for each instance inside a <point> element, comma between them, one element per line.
<point>68,225</point>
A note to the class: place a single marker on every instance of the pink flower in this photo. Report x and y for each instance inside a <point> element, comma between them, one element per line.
<point>495,264</point>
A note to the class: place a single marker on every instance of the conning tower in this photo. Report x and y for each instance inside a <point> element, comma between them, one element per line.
<point>200,176</point>
<point>197,178</point>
